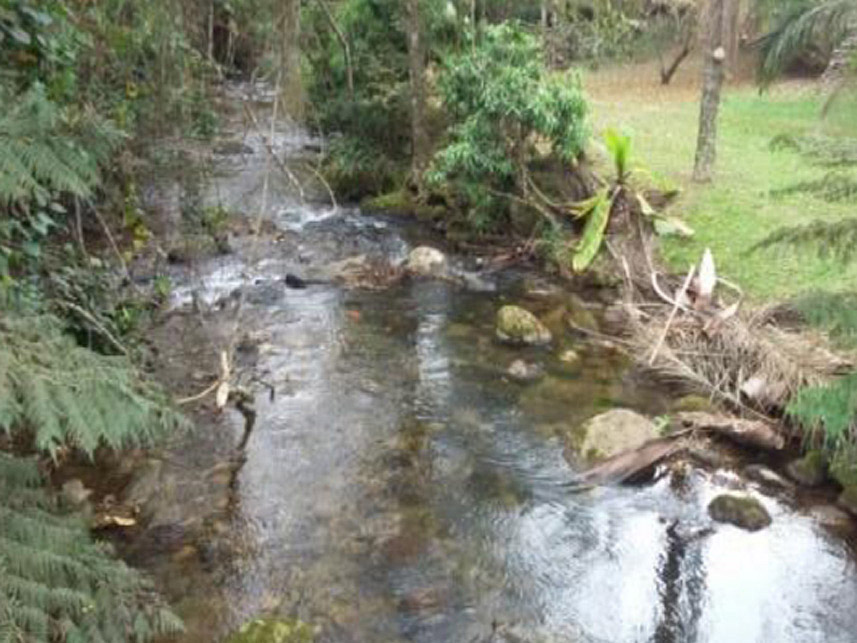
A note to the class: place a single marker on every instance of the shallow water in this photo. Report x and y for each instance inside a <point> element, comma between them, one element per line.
<point>398,487</point>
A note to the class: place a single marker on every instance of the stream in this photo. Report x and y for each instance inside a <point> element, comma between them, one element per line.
<point>398,486</point>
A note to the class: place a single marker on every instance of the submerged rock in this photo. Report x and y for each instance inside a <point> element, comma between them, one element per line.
<point>516,325</point>
<point>611,433</point>
<point>569,356</point>
<point>426,262</point>
<point>810,470</point>
<point>742,511</point>
<point>524,372</point>
<point>273,631</point>
<point>766,476</point>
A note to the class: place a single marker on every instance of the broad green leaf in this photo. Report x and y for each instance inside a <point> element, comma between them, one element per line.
<point>593,233</point>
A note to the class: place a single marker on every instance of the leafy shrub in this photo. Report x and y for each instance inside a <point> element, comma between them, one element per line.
<point>503,102</point>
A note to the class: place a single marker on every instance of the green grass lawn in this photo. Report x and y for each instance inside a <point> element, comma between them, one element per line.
<point>736,210</point>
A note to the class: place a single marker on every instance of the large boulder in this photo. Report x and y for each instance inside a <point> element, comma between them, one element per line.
<point>426,262</point>
<point>270,630</point>
<point>516,325</point>
<point>610,434</point>
<point>742,511</point>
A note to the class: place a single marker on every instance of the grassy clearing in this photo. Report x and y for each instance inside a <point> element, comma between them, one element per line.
<point>737,210</point>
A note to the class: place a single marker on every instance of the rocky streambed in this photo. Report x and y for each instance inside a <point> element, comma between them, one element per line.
<point>413,470</point>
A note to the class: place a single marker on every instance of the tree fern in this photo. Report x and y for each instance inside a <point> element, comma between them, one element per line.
<point>56,583</point>
<point>71,396</point>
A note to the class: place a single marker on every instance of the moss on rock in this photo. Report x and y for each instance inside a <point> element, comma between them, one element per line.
<point>810,470</point>
<point>742,511</point>
<point>518,326</point>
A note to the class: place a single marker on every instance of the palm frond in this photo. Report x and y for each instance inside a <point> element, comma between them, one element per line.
<point>829,21</point>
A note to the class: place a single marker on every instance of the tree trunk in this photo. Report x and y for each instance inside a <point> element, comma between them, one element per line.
<point>420,141</point>
<point>292,95</point>
<point>712,83</point>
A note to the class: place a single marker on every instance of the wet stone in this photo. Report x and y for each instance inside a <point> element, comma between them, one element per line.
<point>610,434</point>
<point>766,476</point>
<point>518,326</point>
<point>523,372</point>
<point>744,512</point>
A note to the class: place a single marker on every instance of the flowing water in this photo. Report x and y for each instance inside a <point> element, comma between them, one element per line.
<point>398,487</point>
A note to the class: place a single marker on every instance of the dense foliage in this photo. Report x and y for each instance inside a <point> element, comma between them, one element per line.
<point>503,103</point>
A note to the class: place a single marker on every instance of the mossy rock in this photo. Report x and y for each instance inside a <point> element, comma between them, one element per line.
<point>844,471</point>
<point>579,316</point>
<point>401,203</point>
<point>273,631</point>
<point>848,500</point>
<point>810,470</point>
<point>742,511</point>
<point>516,325</point>
<point>609,434</point>
<point>693,404</point>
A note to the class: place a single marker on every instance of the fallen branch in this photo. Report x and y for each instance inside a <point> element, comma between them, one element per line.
<point>671,318</point>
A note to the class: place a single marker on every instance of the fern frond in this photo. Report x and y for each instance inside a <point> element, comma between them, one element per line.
<point>829,411</point>
<point>836,313</point>
<point>837,239</point>
<point>56,584</point>
<point>822,150</point>
<point>833,187</point>
<point>45,149</point>
<point>71,396</point>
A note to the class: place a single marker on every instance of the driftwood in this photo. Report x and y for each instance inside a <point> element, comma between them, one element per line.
<point>751,433</point>
<point>629,464</point>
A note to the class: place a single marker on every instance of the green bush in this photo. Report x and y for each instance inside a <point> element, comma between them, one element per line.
<point>503,103</point>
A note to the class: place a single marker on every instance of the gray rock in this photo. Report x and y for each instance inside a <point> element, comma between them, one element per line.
<point>611,433</point>
<point>742,511</point>
<point>518,326</point>
<point>426,262</point>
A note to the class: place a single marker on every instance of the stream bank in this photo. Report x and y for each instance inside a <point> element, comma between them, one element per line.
<point>401,485</point>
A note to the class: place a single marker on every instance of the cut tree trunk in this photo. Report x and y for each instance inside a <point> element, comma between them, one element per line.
<point>712,84</point>
<point>420,141</point>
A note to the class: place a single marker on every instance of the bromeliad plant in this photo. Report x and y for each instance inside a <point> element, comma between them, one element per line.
<point>615,202</point>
